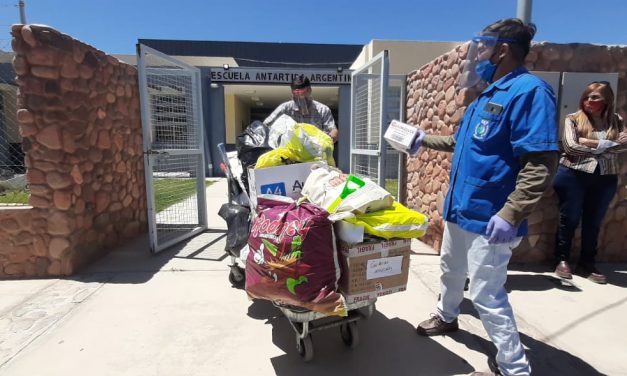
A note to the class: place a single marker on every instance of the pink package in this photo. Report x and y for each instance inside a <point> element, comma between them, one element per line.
<point>293,259</point>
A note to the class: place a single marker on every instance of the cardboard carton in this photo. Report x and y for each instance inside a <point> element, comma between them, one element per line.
<point>400,135</point>
<point>373,269</point>
<point>285,180</point>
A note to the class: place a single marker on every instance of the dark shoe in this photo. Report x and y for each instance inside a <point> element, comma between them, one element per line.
<point>494,369</point>
<point>493,366</point>
<point>435,325</point>
<point>590,271</point>
<point>563,270</point>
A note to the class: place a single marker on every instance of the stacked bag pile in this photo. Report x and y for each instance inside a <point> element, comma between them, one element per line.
<point>363,203</point>
<point>293,256</point>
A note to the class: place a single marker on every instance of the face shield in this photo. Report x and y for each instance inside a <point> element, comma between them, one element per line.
<point>302,98</point>
<point>480,49</point>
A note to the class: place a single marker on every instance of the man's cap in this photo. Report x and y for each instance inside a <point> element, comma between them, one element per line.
<point>300,82</point>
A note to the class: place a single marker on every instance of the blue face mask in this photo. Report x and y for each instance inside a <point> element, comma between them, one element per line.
<point>485,69</point>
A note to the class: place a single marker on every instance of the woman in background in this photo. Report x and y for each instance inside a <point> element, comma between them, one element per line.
<point>587,177</point>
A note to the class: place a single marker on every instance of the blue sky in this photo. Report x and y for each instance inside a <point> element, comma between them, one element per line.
<point>115,25</point>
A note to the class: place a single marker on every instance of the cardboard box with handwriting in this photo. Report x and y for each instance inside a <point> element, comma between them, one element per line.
<point>373,269</point>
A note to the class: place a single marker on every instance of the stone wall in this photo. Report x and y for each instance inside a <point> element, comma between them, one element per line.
<point>79,117</point>
<point>434,104</point>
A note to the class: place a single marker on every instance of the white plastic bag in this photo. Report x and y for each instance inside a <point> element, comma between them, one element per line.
<point>281,131</point>
<point>325,184</point>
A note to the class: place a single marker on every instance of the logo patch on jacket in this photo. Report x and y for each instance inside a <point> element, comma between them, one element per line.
<point>481,130</point>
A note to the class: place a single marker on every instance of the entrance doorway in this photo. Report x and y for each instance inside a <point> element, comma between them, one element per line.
<point>244,104</point>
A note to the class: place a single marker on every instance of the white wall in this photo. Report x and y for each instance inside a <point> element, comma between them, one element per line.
<point>405,56</point>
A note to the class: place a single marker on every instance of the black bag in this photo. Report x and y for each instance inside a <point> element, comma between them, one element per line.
<point>238,226</point>
<point>251,144</point>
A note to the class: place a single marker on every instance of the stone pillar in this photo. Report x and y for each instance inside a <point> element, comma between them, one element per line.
<point>79,117</point>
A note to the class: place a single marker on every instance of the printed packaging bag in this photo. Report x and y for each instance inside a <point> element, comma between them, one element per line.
<point>325,185</point>
<point>293,258</point>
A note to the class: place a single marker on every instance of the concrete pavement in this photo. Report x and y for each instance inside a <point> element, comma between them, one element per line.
<point>175,313</point>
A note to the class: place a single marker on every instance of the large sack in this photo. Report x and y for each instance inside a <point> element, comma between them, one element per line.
<point>237,224</point>
<point>395,222</point>
<point>325,184</point>
<point>293,259</point>
<point>277,157</point>
<point>279,131</point>
<point>311,143</point>
<point>250,145</point>
<point>301,143</point>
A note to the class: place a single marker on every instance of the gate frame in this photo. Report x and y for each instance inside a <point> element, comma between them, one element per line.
<point>146,115</point>
<point>401,169</point>
<point>383,58</point>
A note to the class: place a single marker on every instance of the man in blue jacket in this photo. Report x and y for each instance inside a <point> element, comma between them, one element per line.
<point>505,154</point>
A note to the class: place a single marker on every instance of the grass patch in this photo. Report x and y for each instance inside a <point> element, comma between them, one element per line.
<point>172,191</point>
<point>14,197</point>
<point>391,185</point>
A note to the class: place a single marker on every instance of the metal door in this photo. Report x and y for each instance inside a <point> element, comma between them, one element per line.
<point>369,88</point>
<point>394,172</point>
<point>174,162</point>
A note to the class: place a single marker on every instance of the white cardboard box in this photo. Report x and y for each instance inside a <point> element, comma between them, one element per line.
<point>400,135</point>
<point>281,180</point>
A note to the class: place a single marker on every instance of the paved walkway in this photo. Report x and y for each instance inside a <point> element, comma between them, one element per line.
<point>175,313</point>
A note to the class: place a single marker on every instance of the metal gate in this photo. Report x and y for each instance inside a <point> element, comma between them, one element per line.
<point>369,86</point>
<point>394,172</point>
<point>174,162</point>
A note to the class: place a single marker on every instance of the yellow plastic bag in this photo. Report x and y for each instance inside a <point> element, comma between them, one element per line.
<point>306,143</point>
<point>396,222</point>
<point>310,143</point>
<point>276,157</point>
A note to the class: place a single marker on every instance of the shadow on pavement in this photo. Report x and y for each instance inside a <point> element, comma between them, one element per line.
<point>387,346</point>
<point>134,263</point>
<point>548,360</point>
<point>263,310</point>
<point>544,358</point>
<point>538,282</point>
<point>616,274</point>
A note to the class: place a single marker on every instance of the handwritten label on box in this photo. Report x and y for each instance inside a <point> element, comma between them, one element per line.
<point>384,267</point>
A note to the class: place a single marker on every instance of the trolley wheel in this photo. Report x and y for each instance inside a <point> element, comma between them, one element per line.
<point>305,347</point>
<point>350,334</point>
<point>237,276</point>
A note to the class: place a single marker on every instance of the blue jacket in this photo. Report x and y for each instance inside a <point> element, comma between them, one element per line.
<point>513,116</point>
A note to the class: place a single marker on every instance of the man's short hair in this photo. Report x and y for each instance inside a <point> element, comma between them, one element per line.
<point>515,29</point>
<point>300,82</point>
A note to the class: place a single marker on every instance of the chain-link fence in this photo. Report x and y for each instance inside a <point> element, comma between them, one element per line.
<point>13,189</point>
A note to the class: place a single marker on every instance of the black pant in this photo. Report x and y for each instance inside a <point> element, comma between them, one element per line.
<point>582,196</point>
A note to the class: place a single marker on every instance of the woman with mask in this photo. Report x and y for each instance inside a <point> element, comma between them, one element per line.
<point>586,179</point>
